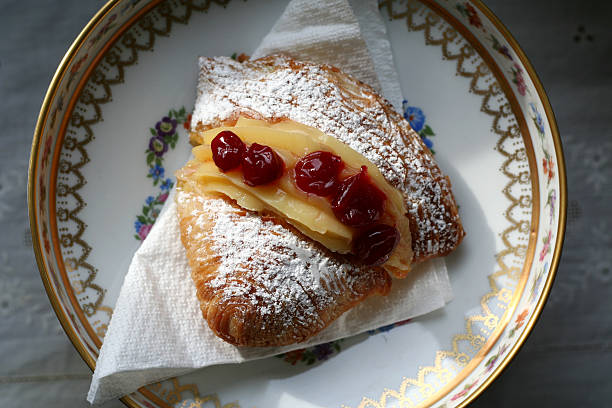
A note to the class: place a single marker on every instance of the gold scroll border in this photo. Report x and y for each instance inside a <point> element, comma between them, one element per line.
<point>32,174</point>
<point>41,122</point>
<point>46,100</point>
<point>471,39</point>
<point>556,258</point>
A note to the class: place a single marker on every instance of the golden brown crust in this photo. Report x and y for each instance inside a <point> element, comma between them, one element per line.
<point>267,301</point>
<point>259,282</point>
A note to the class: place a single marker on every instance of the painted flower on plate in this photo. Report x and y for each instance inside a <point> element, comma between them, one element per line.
<point>491,363</point>
<point>499,47</point>
<point>77,65</point>
<point>292,357</point>
<point>166,184</point>
<point>520,319</point>
<point>463,392</point>
<point>417,118</point>
<point>162,197</point>
<point>107,26</point>
<point>551,201</point>
<point>144,231</point>
<point>323,351</point>
<point>470,12</point>
<point>157,172</point>
<point>546,247</point>
<point>166,126</point>
<point>414,116</point>
<point>187,123</point>
<point>519,81</point>
<point>548,166</point>
<point>164,137</point>
<point>538,281</point>
<point>493,359</point>
<point>158,145</point>
<point>537,119</point>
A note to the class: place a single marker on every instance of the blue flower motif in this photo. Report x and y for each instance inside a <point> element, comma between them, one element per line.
<point>137,226</point>
<point>537,118</point>
<point>166,184</point>
<point>150,200</point>
<point>427,142</point>
<point>414,116</point>
<point>156,172</point>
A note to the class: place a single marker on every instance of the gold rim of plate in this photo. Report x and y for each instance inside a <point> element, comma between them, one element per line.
<point>45,110</point>
<point>552,122</point>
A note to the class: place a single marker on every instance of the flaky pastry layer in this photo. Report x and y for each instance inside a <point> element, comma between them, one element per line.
<point>278,87</point>
<point>259,282</point>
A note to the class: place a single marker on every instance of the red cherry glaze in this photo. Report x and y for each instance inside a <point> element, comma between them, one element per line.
<point>358,202</point>
<point>317,173</point>
<point>227,150</point>
<point>375,245</point>
<point>261,165</point>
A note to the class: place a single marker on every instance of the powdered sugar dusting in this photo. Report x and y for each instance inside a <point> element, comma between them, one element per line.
<point>287,280</point>
<point>319,96</point>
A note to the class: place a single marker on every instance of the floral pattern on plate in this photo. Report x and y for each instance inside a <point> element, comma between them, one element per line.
<point>416,118</point>
<point>164,137</point>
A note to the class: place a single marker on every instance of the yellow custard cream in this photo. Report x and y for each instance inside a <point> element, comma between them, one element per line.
<point>310,214</point>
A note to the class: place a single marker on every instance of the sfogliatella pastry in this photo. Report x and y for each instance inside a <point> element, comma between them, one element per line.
<point>306,192</point>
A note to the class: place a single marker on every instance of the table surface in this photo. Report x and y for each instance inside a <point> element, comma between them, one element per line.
<point>566,360</point>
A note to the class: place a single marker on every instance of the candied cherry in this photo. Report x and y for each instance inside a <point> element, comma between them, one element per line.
<point>358,202</point>
<point>261,165</point>
<point>227,150</point>
<point>317,173</point>
<point>375,245</point>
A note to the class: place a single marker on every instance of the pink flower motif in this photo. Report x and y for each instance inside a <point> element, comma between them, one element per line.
<point>464,391</point>
<point>144,231</point>
<point>459,395</point>
<point>520,85</point>
<point>546,247</point>
<point>518,79</point>
<point>162,198</point>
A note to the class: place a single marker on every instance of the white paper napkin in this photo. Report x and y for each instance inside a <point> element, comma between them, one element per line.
<point>351,36</point>
<point>157,330</point>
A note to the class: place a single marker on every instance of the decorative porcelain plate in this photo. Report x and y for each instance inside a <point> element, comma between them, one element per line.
<point>112,131</point>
